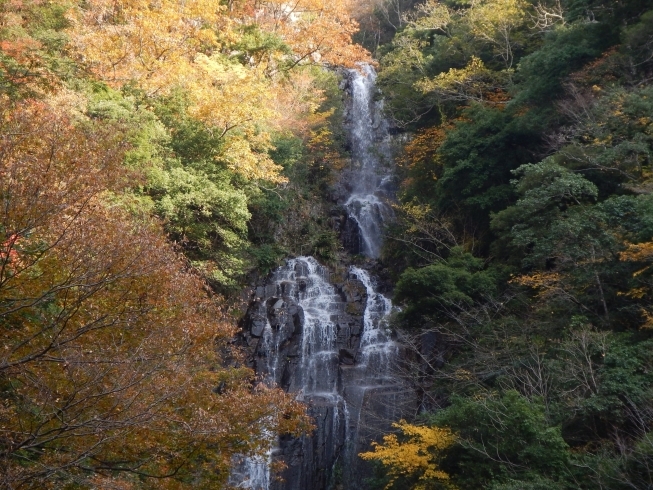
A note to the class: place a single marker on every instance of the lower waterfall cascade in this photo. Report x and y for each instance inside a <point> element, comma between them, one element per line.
<point>327,341</point>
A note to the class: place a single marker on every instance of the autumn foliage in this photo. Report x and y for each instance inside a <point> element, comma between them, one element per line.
<point>109,360</point>
<point>415,458</point>
<point>524,239</point>
<point>199,46</point>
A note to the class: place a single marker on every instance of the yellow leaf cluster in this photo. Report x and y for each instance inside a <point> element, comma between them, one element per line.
<point>416,211</point>
<point>492,18</point>
<point>490,21</point>
<point>152,43</point>
<point>546,283</point>
<point>192,45</point>
<point>641,252</point>
<point>416,215</point>
<point>636,293</point>
<point>431,15</point>
<point>538,280</point>
<point>255,164</point>
<point>469,81</point>
<point>416,456</point>
<point>648,319</point>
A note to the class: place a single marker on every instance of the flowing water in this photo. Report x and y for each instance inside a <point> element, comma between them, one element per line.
<point>304,284</point>
<point>368,131</point>
<point>309,342</point>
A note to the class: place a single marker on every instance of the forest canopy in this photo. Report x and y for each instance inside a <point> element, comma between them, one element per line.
<point>153,154</point>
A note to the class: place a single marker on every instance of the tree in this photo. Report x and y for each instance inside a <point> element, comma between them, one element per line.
<point>315,30</point>
<point>31,57</point>
<point>115,366</point>
<point>548,192</point>
<point>478,157</point>
<point>502,437</point>
<point>474,82</point>
<point>425,236</point>
<point>495,21</point>
<point>413,463</point>
<point>445,286</point>
<point>171,46</point>
<point>538,357</point>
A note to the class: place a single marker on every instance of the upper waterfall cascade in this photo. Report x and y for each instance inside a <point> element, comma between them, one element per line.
<point>368,132</point>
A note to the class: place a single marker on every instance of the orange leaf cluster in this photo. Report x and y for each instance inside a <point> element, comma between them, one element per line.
<point>641,252</point>
<point>109,363</point>
<point>544,282</point>
<point>423,147</point>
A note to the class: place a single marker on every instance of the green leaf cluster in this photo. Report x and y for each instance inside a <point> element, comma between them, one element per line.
<point>438,288</point>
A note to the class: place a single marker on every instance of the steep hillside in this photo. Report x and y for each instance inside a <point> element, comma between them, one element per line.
<point>522,254</point>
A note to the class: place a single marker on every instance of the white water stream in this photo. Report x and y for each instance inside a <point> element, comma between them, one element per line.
<point>367,203</point>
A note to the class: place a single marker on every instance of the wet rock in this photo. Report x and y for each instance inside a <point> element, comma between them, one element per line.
<point>273,336</point>
<point>293,297</point>
<point>347,356</point>
<point>278,305</point>
<point>350,235</point>
<point>298,320</point>
<point>258,325</point>
<point>276,312</point>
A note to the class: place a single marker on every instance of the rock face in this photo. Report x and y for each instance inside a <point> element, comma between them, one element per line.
<point>275,322</point>
<point>348,231</point>
<point>324,338</point>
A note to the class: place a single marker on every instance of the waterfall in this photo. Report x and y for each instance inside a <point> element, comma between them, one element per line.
<point>306,281</point>
<point>253,473</point>
<point>324,335</point>
<point>298,317</point>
